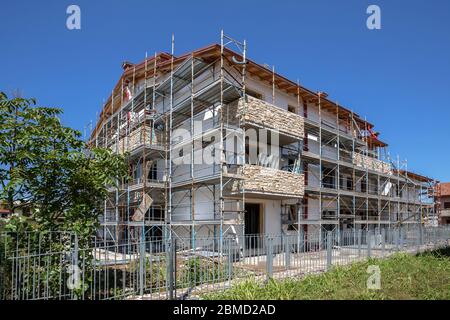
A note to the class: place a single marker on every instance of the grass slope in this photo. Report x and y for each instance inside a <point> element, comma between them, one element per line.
<point>403,276</point>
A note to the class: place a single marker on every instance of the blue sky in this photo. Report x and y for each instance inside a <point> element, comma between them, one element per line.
<point>398,77</point>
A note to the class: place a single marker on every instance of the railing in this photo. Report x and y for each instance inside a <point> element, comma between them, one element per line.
<point>139,137</point>
<point>56,266</point>
<point>370,163</point>
<point>444,213</point>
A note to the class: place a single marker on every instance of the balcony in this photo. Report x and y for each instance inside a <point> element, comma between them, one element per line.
<point>444,213</point>
<point>137,138</point>
<point>370,163</point>
<point>265,115</point>
<point>272,182</point>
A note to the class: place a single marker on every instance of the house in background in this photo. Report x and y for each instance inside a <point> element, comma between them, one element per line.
<point>443,202</point>
<point>5,212</point>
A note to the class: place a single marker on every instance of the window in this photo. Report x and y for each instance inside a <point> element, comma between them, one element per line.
<point>152,173</point>
<point>364,185</point>
<point>291,109</point>
<point>206,143</point>
<point>328,214</point>
<point>446,205</point>
<point>328,178</point>
<point>292,217</point>
<point>291,164</point>
<point>349,183</point>
<point>254,94</point>
<point>397,191</point>
<point>137,172</point>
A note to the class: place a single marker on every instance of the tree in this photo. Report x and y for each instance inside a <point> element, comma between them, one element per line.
<point>48,167</point>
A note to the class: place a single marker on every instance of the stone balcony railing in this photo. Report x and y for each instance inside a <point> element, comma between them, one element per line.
<point>266,115</point>
<point>137,138</point>
<point>444,213</point>
<point>272,181</point>
<point>370,163</point>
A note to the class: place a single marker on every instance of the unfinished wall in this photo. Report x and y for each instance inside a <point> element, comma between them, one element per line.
<point>202,201</point>
<point>137,138</point>
<point>268,180</point>
<point>364,161</point>
<point>264,114</point>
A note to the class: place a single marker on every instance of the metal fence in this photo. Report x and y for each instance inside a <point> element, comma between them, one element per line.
<point>57,266</point>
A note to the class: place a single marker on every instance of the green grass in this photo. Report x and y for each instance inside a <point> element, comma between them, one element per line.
<point>403,276</point>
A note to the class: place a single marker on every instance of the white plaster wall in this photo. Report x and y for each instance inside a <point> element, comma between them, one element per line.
<point>329,152</point>
<point>313,144</point>
<point>204,163</point>
<point>271,215</point>
<point>313,175</point>
<point>203,205</point>
<point>313,112</point>
<point>313,209</point>
<point>329,205</point>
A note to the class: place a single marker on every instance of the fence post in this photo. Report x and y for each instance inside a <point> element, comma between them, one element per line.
<point>421,234</point>
<point>396,239</point>
<point>401,240</point>
<point>287,252</point>
<point>174,266</point>
<point>169,244</point>
<point>230,260</point>
<point>383,241</point>
<point>329,249</point>
<point>269,260</point>
<point>369,243</point>
<point>75,260</point>
<point>300,240</point>
<point>359,242</point>
<point>141,261</point>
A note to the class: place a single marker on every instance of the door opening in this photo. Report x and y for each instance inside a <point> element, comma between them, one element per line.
<point>252,225</point>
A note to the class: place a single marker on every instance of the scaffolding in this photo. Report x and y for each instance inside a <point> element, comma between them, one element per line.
<point>169,114</point>
<point>184,124</point>
<point>358,184</point>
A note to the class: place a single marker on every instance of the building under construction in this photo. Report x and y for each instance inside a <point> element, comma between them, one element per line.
<point>218,145</point>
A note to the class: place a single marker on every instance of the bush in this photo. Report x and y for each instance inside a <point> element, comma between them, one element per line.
<point>197,270</point>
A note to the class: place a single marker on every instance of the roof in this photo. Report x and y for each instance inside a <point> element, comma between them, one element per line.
<point>163,62</point>
<point>374,141</point>
<point>443,189</point>
<point>414,176</point>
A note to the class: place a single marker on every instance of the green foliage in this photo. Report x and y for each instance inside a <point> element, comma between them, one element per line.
<point>53,184</point>
<point>155,276</point>
<point>199,270</point>
<point>155,271</point>
<point>39,267</point>
<point>403,276</point>
<point>46,166</point>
